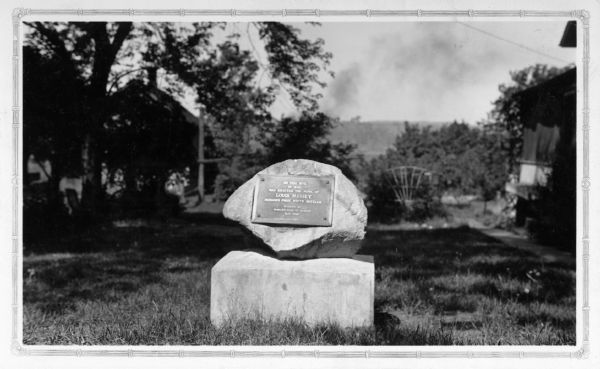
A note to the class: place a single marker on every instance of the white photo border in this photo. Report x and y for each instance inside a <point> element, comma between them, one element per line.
<point>582,350</point>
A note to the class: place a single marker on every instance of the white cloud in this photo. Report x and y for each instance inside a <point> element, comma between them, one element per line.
<point>428,71</point>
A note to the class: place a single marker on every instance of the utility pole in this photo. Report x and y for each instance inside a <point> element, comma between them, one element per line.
<point>201,159</point>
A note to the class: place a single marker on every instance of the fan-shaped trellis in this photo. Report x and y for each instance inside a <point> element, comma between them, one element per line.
<point>407,180</point>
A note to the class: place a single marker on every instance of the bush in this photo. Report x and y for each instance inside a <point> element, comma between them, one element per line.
<point>384,207</point>
<point>381,202</point>
<point>234,175</point>
<point>423,209</point>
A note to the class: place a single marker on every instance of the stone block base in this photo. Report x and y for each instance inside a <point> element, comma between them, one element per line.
<point>248,285</point>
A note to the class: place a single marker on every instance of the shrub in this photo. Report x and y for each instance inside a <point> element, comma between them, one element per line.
<point>234,174</point>
<point>384,206</point>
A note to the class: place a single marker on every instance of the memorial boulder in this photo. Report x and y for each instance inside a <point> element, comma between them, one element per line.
<point>301,209</point>
<point>313,220</point>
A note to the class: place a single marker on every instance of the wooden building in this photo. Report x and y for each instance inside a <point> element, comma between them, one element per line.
<point>548,115</point>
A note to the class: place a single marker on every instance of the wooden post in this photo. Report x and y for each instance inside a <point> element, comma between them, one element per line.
<point>200,156</point>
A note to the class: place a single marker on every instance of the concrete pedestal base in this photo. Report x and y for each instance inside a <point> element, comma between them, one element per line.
<point>247,285</point>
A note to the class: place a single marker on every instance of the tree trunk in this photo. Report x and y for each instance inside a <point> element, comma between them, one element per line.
<point>87,163</point>
<point>106,46</point>
<point>105,53</point>
<point>92,163</point>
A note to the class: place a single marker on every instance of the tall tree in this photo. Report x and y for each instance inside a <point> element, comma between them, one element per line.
<point>87,52</point>
<point>305,137</point>
<point>223,75</point>
<point>105,52</point>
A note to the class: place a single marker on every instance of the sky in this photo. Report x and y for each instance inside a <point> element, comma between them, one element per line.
<point>416,71</point>
<point>427,71</point>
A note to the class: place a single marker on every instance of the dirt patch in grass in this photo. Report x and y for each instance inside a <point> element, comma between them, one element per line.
<point>149,284</point>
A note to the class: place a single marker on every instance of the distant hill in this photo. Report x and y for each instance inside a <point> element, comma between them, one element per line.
<point>375,137</point>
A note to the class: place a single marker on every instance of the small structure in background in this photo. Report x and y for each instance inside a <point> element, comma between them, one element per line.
<point>159,146</point>
<point>549,120</point>
<point>408,182</point>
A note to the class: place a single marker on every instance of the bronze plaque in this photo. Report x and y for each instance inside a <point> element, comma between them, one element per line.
<point>293,200</point>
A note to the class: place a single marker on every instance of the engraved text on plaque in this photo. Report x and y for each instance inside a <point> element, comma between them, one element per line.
<point>293,200</point>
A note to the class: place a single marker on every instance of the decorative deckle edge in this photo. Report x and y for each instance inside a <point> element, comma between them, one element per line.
<point>21,12</point>
<point>19,349</point>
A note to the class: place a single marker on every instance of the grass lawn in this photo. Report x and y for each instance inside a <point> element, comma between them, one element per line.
<point>149,284</point>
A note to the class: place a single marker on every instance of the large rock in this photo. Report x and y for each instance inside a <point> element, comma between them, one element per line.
<point>341,239</point>
<point>247,285</point>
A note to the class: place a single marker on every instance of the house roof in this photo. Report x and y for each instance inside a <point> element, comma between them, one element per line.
<point>569,37</point>
<point>160,96</point>
<point>563,81</point>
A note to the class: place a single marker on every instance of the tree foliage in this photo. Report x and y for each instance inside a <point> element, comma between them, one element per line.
<point>86,52</point>
<point>303,137</point>
<point>106,71</point>
<point>463,159</point>
<point>225,77</point>
<point>458,154</point>
<point>53,107</point>
<point>295,62</point>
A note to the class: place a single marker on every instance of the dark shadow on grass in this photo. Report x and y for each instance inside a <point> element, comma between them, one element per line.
<point>127,259</point>
<point>56,287</point>
<point>428,247</point>
<point>58,307</point>
<point>551,286</point>
<point>419,255</point>
<point>454,303</point>
<point>177,235</point>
